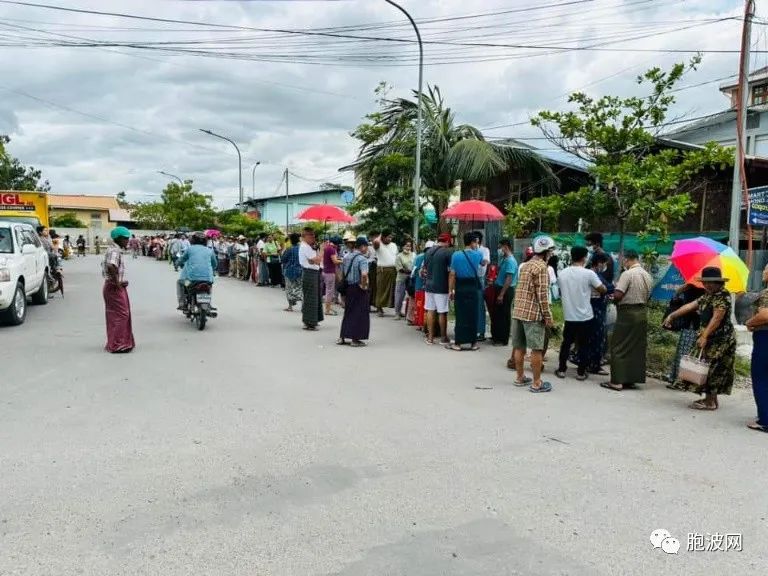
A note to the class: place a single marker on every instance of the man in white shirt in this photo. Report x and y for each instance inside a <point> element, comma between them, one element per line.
<point>310,260</point>
<point>481,272</point>
<point>576,284</point>
<point>240,250</point>
<point>386,273</point>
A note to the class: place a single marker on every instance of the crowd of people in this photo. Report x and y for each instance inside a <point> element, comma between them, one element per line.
<point>363,276</point>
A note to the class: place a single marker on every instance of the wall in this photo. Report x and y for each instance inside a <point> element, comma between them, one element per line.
<point>89,234</point>
<point>725,134</point>
<point>85,216</point>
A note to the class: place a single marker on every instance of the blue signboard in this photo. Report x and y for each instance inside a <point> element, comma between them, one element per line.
<point>666,286</point>
<point>758,206</point>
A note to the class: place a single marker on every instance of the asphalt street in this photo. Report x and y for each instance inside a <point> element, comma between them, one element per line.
<point>255,448</point>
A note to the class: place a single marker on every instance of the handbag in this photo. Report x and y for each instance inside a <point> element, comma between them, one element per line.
<point>344,284</point>
<point>693,370</point>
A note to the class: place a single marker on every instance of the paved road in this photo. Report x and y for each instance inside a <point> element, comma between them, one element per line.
<point>255,448</point>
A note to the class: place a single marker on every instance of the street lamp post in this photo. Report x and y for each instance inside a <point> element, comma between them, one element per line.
<point>239,165</point>
<point>171,176</point>
<point>417,175</point>
<point>253,180</point>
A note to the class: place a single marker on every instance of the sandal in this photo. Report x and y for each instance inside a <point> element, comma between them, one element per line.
<point>429,341</point>
<point>560,373</point>
<point>332,313</point>
<point>310,328</point>
<point>358,344</point>
<point>454,347</point>
<point>702,405</point>
<point>581,377</point>
<point>342,342</point>
<point>524,382</point>
<point>757,426</point>
<point>543,387</point>
<point>474,348</point>
<point>614,387</point>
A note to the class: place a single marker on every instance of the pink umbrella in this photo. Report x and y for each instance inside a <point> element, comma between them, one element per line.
<point>325,213</point>
<point>474,210</point>
<point>212,233</point>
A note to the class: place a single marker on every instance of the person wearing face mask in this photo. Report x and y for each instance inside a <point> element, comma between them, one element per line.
<point>595,246</point>
<point>596,342</point>
<point>502,294</point>
<point>404,266</point>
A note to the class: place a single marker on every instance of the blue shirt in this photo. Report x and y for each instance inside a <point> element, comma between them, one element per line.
<point>354,266</point>
<point>291,265</point>
<point>465,264</point>
<point>199,263</point>
<point>508,265</point>
<point>418,281</point>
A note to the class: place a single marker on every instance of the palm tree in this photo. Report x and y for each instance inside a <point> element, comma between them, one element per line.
<point>450,152</point>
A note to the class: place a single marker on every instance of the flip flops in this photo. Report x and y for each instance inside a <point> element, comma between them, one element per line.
<point>544,387</point>
<point>609,386</point>
<point>756,426</point>
<point>524,382</point>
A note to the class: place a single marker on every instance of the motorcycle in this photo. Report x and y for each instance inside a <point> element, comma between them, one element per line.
<point>54,276</point>
<point>198,299</point>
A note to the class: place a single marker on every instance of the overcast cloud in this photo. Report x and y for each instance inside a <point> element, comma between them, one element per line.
<point>99,120</point>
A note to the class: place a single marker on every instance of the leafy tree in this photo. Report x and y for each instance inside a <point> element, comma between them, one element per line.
<point>151,215</point>
<point>67,220</point>
<point>15,176</point>
<point>247,226</point>
<point>638,182</point>
<point>123,202</point>
<point>450,152</point>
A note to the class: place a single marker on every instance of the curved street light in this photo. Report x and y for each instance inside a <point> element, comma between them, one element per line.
<point>239,165</point>
<point>171,176</point>
<point>417,175</point>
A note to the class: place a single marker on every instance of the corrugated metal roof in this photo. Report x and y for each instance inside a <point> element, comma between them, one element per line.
<point>120,215</point>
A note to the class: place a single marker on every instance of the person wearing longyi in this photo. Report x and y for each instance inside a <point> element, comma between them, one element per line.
<point>717,338</point>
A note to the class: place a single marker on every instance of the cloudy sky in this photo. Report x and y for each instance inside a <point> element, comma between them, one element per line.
<point>101,103</point>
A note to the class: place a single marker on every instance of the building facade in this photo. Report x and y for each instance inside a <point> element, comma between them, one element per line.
<point>273,208</point>
<point>97,213</point>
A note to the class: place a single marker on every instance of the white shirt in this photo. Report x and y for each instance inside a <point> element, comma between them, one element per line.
<point>241,248</point>
<point>307,253</point>
<point>260,246</point>
<point>483,268</point>
<point>386,255</point>
<point>576,284</point>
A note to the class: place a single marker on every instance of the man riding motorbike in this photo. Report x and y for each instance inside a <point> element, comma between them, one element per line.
<point>199,263</point>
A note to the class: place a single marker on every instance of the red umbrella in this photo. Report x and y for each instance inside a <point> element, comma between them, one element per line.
<point>325,213</point>
<point>475,210</point>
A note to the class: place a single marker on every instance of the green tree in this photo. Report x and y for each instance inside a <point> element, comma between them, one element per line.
<point>183,206</point>
<point>15,176</point>
<point>638,182</point>
<point>247,226</point>
<point>450,152</point>
<point>151,215</point>
<point>67,220</point>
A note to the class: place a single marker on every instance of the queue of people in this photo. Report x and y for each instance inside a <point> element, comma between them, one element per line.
<point>365,275</point>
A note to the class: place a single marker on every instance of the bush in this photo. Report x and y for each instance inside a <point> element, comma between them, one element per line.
<point>67,220</point>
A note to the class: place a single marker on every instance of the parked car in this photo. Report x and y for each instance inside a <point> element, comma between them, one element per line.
<point>23,270</point>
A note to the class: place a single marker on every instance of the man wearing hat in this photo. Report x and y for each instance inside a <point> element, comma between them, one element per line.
<point>356,323</point>
<point>629,342</point>
<point>532,316</point>
<point>116,302</point>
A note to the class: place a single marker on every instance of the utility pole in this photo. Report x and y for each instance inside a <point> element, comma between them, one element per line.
<point>739,190</point>
<point>171,176</point>
<point>286,200</point>
<point>253,180</point>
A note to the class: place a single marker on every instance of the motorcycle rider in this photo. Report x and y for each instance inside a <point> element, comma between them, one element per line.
<point>199,263</point>
<point>174,250</point>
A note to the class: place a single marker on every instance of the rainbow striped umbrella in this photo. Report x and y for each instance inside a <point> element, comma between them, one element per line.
<point>691,256</point>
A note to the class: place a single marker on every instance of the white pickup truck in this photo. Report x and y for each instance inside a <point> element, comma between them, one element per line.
<point>23,270</point>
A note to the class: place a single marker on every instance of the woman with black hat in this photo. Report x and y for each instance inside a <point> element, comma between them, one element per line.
<point>717,339</point>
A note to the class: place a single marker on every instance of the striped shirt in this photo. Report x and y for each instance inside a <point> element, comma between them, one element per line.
<point>114,257</point>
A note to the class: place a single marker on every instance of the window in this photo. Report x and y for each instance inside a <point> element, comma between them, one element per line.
<point>6,241</point>
<point>760,95</point>
<point>95,219</point>
<point>477,193</point>
<point>30,238</point>
<point>515,190</point>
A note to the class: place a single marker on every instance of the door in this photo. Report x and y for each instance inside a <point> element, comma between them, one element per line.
<point>36,274</point>
<point>27,261</point>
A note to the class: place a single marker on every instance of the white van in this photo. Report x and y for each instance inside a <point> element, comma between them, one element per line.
<point>23,270</point>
